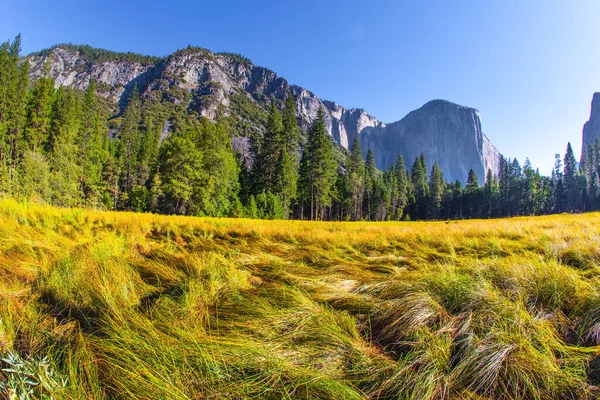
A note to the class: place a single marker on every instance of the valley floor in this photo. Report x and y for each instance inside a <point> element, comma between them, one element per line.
<point>137,306</point>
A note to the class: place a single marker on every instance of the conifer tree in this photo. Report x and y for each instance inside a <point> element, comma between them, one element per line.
<point>64,129</point>
<point>130,147</point>
<point>570,181</point>
<point>318,168</point>
<point>183,176</point>
<point>437,189</point>
<point>404,186</point>
<point>370,182</point>
<point>39,104</point>
<point>287,164</point>
<point>420,188</point>
<point>266,163</point>
<point>356,178</point>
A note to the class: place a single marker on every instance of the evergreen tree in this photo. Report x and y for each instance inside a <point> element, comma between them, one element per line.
<point>437,187</point>
<point>39,104</point>
<point>370,182</point>
<point>14,81</point>
<point>356,178</point>
<point>420,188</point>
<point>570,181</point>
<point>183,176</point>
<point>130,147</point>
<point>64,128</point>
<point>472,201</point>
<point>318,168</point>
<point>91,153</point>
<point>287,164</point>
<point>267,160</point>
<point>404,187</point>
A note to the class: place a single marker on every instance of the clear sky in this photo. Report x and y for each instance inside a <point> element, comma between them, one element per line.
<point>529,66</point>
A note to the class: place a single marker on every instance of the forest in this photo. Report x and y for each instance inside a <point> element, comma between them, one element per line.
<point>73,148</point>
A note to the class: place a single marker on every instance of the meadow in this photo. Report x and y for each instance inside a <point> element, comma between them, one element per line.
<point>97,305</point>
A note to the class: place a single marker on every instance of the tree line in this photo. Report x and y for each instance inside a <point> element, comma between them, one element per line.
<point>71,148</point>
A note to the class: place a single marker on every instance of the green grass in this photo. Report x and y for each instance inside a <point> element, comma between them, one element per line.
<point>100,305</point>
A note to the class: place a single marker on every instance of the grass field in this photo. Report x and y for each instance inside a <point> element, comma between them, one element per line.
<point>135,306</point>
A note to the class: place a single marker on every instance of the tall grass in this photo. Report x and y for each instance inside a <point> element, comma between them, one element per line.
<point>135,306</point>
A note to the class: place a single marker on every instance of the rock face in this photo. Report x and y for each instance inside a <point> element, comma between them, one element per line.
<point>211,78</point>
<point>445,132</point>
<point>591,129</point>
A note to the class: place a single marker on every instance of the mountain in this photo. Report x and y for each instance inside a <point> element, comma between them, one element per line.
<point>591,129</point>
<point>209,82</point>
<point>445,132</point>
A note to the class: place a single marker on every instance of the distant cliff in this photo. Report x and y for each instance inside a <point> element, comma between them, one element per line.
<point>445,132</point>
<point>591,129</point>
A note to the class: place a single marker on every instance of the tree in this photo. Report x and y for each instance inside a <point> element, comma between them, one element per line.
<point>287,164</point>
<point>356,178</point>
<point>267,160</point>
<point>64,128</point>
<point>491,191</point>
<point>420,188</point>
<point>183,176</point>
<point>570,181</point>
<point>370,182</point>
<point>92,155</point>
<point>472,201</point>
<point>130,146</point>
<point>14,81</point>
<point>404,186</point>
<point>318,168</point>
<point>437,188</point>
<point>39,104</point>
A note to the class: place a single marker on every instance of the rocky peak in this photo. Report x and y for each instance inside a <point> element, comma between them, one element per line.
<point>447,133</point>
<point>591,128</point>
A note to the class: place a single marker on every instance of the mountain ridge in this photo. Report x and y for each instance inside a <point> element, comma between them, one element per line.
<point>211,81</point>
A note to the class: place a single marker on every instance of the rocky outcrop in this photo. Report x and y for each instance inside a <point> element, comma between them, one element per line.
<point>211,78</point>
<point>591,129</point>
<point>446,133</point>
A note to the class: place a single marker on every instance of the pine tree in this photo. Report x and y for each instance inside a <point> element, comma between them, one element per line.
<point>291,134</point>
<point>437,188</point>
<point>183,176</point>
<point>92,156</point>
<point>318,168</point>
<point>370,182</point>
<point>287,164</point>
<point>130,147</point>
<point>356,178</point>
<point>64,129</point>
<point>267,160</point>
<point>491,191</point>
<point>472,201</point>
<point>14,81</point>
<point>420,188</point>
<point>39,105</point>
<point>570,181</point>
<point>404,186</point>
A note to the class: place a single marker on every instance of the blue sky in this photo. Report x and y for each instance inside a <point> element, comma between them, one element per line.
<point>530,67</point>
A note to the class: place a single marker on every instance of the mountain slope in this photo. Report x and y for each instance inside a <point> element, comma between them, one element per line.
<point>445,132</point>
<point>204,81</point>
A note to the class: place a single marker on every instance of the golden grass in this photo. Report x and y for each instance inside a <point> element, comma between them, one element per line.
<point>122,305</point>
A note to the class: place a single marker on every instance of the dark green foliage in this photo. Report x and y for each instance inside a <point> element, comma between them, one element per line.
<point>317,170</point>
<point>98,55</point>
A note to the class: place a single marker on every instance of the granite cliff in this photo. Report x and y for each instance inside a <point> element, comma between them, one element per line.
<point>591,129</point>
<point>445,132</point>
